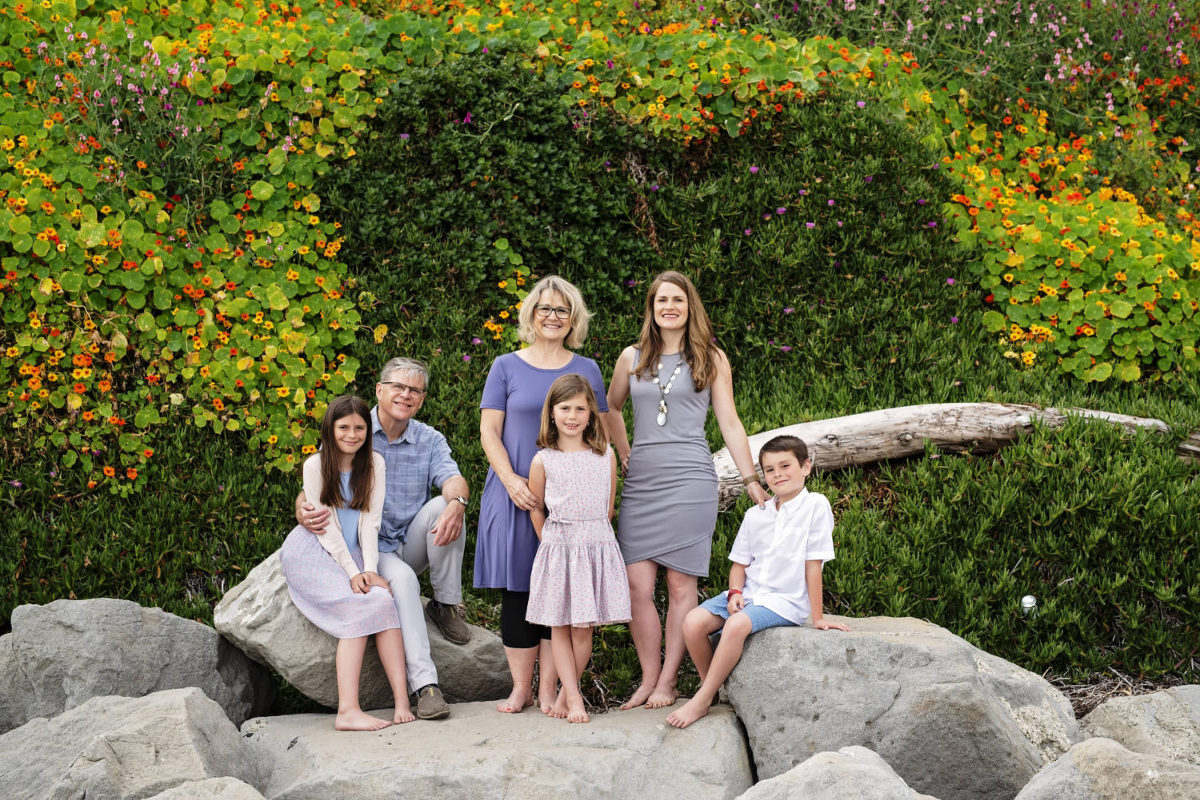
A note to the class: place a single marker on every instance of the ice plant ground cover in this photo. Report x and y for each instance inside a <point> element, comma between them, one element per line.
<point>218,216</point>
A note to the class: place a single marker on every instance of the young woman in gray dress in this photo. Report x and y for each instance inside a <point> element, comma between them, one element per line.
<point>668,511</point>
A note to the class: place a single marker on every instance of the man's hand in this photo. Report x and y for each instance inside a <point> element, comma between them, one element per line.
<point>309,517</point>
<point>449,524</point>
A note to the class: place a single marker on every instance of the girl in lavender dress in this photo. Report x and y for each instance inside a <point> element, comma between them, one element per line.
<point>332,578</point>
<point>578,577</point>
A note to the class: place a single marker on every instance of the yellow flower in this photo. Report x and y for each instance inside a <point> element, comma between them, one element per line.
<point>1028,357</point>
<point>380,332</point>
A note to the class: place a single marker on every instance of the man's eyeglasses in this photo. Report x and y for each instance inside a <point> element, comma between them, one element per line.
<point>402,388</point>
<point>558,311</point>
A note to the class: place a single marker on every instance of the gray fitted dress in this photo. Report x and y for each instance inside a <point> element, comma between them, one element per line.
<point>669,501</point>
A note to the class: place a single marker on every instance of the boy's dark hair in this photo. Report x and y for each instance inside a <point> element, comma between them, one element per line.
<point>785,444</point>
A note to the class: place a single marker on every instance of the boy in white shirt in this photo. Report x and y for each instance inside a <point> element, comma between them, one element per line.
<point>776,575</point>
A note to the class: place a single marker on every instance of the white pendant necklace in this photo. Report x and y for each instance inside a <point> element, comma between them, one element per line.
<point>663,391</point>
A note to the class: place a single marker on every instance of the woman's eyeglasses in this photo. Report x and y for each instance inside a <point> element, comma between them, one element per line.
<point>557,311</point>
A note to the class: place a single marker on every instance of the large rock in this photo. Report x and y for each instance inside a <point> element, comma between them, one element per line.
<point>61,654</point>
<point>952,720</point>
<point>123,747</point>
<point>211,789</point>
<point>1101,769</point>
<point>259,617</point>
<point>852,773</point>
<point>478,753</point>
<point>1165,724</point>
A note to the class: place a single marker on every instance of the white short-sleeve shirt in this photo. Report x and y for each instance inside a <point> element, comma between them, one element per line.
<point>775,543</point>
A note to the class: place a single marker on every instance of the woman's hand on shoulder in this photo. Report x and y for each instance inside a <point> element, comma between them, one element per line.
<point>758,494</point>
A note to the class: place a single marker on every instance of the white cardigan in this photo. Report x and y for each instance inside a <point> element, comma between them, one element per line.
<point>368,521</point>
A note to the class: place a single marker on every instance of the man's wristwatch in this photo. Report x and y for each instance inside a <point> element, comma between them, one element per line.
<point>462,500</point>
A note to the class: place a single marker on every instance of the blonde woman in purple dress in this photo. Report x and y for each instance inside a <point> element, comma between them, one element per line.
<point>553,322</point>
<point>578,579</point>
<point>672,376</point>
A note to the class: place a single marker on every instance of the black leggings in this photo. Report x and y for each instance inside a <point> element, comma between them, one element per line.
<point>515,630</point>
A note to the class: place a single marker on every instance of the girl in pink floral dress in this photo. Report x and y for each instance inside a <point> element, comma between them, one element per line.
<point>578,578</point>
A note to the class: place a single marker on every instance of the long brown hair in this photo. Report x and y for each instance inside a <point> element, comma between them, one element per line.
<point>565,388</point>
<point>361,474</point>
<point>699,350</point>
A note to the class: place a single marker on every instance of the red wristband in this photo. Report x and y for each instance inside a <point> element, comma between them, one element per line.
<point>734,591</point>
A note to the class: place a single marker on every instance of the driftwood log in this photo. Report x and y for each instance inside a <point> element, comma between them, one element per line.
<point>901,432</point>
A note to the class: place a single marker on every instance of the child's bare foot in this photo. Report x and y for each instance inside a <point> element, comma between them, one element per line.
<point>547,700</point>
<point>358,720</point>
<point>688,713</point>
<point>576,711</point>
<point>639,697</point>
<point>661,698</point>
<point>403,714</point>
<point>518,701</point>
<point>560,709</point>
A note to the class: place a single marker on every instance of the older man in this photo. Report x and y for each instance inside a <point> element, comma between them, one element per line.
<point>417,531</point>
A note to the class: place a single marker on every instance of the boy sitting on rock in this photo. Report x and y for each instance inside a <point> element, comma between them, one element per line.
<point>776,575</point>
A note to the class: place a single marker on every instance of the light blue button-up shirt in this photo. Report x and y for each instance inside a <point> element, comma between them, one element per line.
<point>417,460</point>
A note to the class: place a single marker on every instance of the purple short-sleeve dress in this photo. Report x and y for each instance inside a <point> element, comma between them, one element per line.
<point>505,543</point>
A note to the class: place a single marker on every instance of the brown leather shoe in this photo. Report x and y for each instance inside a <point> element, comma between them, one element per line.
<point>449,621</point>
<point>430,704</point>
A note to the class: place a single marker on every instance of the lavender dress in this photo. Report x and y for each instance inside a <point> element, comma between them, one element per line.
<point>505,543</point>
<point>320,588</point>
<point>578,576</point>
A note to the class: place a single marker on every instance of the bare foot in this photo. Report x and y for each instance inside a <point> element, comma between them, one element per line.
<point>576,712</point>
<point>560,709</point>
<point>688,713</point>
<point>547,700</point>
<point>661,698</point>
<point>358,720</point>
<point>403,714</point>
<point>518,701</point>
<point>639,697</point>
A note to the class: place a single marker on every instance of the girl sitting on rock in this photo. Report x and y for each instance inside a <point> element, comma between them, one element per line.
<point>332,578</point>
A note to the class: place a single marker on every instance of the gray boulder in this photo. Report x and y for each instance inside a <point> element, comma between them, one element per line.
<point>123,747</point>
<point>61,654</point>
<point>211,789</point>
<point>259,617</point>
<point>1101,769</point>
<point>480,754</point>
<point>950,719</point>
<point>1165,724</point>
<point>852,773</point>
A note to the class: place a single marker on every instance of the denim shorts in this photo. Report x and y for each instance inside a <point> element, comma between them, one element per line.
<point>760,616</point>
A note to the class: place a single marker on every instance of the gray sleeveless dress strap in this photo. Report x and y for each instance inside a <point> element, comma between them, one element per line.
<point>669,501</point>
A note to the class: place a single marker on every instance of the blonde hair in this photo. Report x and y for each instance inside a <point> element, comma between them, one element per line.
<point>578,320</point>
<point>699,350</point>
<point>565,388</point>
